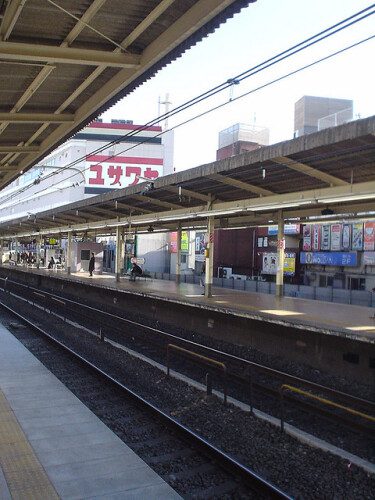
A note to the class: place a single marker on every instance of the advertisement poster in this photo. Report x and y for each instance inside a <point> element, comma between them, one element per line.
<point>369,258</point>
<point>316,237</point>
<point>307,238</point>
<point>357,236</point>
<point>329,258</point>
<point>336,230</point>
<point>269,263</point>
<point>369,236</point>
<point>288,229</point>
<point>326,238</point>
<point>346,236</point>
<point>184,242</point>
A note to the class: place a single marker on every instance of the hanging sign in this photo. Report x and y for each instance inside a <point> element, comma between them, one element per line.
<point>326,238</point>
<point>369,236</point>
<point>336,230</point>
<point>307,238</point>
<point>357,236</point>
<point>346,236</point>
<point>316,237</point>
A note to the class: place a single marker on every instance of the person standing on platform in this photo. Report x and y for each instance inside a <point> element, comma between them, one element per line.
<point>92,263</point>
<point>203,276</point>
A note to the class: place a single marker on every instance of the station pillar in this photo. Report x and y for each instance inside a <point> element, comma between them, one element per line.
<point>1,251</point>
<point>209,257</point>
<point>119,254</point>
<point>38,249</point>
<point>280,256</point>
<point>68,259</point>
<point>178,256</point>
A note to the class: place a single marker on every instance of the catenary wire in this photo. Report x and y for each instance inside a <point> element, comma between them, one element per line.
<point>246,74</point>
<point>261,87</point>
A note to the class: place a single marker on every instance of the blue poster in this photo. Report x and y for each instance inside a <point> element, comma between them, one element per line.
<point>329,258</point>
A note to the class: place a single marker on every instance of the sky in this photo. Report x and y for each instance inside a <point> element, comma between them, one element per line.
<point>257,33</point>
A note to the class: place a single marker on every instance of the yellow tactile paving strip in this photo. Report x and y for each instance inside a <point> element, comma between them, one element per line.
<point>25,476</point>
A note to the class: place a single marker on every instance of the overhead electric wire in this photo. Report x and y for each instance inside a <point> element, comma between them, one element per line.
<point>242,76</point>
<point>287,75</point>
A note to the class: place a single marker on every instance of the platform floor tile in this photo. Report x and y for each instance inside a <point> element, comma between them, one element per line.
<point>53,446</point>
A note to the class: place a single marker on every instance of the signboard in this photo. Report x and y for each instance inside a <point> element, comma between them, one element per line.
<point>270,261</point>
<point>369,236</point>
<point>307,238</point>
<point>326,238</point>
<point>357,236</point>
<point>329,258</point>
<point>336,230</point>
<point>369,258</point>
<point>184,242</point>
<point>103,173</point>
<point>346,236</point>
<point>316,237</point>
<point>288,229</point>
<point>200,243</point>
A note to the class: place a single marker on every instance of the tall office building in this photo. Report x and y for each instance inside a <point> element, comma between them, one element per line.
<point>313,113</point>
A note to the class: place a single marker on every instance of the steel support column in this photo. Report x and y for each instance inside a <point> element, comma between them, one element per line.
<point>209,257</point>
<point>68,259</point>
<point>118,253</point>
<point>38,250</point>
<point>178,256</point>
<point>280,256</point>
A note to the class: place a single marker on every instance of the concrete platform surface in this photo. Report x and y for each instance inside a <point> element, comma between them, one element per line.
<point>350,321</point>
<point>53,446</point>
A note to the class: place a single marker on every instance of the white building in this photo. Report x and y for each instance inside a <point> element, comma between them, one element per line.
<point>101,157</point>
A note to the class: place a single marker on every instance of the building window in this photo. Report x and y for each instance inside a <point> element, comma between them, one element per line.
<point>356,283</point>
<point>325,280</point>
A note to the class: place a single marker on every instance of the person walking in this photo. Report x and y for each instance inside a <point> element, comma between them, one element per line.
<point>92,263</point>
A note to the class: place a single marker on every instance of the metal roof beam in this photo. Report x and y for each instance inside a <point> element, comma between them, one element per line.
<point>35,118</point>
<point>312,172</point>
<point>196,17</point>
<point>19,149</point>
<point>154,201</point>
<point>11,15</point>
<point>66,55</point>
<point>187,192</point>
<point>132,208</point>
<point>245,186</point>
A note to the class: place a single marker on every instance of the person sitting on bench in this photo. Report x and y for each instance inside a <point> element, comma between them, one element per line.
<point>135,271</point>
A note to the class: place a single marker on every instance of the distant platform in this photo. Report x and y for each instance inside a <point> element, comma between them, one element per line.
<point>349,321</point>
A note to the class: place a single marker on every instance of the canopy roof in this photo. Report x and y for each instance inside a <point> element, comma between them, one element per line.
<point>333,168</point>
<point>63,62</point>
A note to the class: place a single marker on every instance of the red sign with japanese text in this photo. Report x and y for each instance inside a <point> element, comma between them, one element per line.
<point>103,173</point>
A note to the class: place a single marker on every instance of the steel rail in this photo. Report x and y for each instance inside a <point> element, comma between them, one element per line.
<point>227,462</point>
<point>251,364</point>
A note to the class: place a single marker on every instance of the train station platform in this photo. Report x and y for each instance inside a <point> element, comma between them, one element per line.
<point>53,446</point>
<point>351,321</point>
<point>337,339</point>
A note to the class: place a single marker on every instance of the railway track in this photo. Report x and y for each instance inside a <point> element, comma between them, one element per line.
<point>272,454</point>
<point>192,465</point>
<point>249,376</point>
